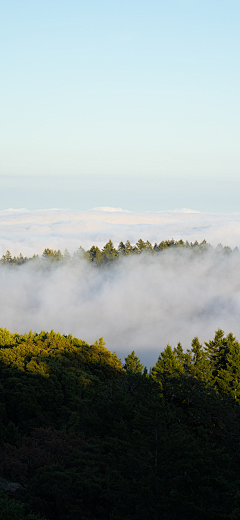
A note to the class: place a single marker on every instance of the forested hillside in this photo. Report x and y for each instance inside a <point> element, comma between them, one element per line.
<point>109,253</point>
<point>85,436</point>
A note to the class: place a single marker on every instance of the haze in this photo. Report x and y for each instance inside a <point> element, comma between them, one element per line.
<point>30,232</point>
<point>141,302</point>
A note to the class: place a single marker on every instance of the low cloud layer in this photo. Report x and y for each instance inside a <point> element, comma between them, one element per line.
<point>142,302</point>
<point>31,232</point>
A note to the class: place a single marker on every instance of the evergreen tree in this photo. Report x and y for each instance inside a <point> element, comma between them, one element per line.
<point>7,258</point>
<point>216,349</point>
<point>128,248</point>
<point>140,245</point>
<point>50,254</point>
<point>224,353</point>
<point>78,255</point>
<point>231,374</point>
<point>180,243</point>
<point>11,509</point>
<point>66,255</point>
<point>149,246</point>
<point>168,364</point>
<point>95,255</point>
<point>121,249</point>
<point>133,363</point>
<point>200,365</point>
<point>182,357</point>
<point>109,252</point>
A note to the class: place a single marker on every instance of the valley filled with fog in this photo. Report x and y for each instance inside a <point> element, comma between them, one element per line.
<point>139,302</point>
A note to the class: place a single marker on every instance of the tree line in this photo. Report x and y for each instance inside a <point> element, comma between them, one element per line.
<point>87,436</point>
<point>109,253</point>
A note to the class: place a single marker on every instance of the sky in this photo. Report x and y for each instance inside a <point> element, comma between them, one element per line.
<point>131,104</point>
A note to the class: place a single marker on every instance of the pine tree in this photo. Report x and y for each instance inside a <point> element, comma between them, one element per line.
<point>216,349</point>
<point>121,249</point>
<point>182,357</point>
<point>7,258</point>
<point>128,248</point>
<point>50,254</point>
<point>80,254</point>
<point>200,365</point>
<point>133,363</point>
<point>66,255</point>
<point>231,374</point>
<point>149,246</point>
<point>109,252</point>
<point>141,245</point>
<point>225,358</point>
<point>168,364</point>
<point>95,255</point>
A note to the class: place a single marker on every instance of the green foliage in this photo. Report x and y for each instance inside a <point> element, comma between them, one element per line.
<point>47,377</point>
<point>7,258</point>
<point>6,338</point>
<point>10,433</point>
<point>224,353</point>
<point>86,438</point>
<point>95,255</point>
<point>199,362</point>
<point>133,363</point>
<point>140,245</point>
<point>49,254</point>
<point>11,509</point>
<point>168,364</point>
<point>108,254</point>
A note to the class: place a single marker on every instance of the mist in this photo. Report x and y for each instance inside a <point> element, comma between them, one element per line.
<point>140,302</point>
<point>30,232</point>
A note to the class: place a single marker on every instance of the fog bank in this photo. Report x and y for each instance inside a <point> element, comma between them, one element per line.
<point>30,232</point>
<point>141,302</point>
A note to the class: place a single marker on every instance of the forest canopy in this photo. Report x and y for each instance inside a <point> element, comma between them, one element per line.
<point>109,253</point>
<point>85,435</point>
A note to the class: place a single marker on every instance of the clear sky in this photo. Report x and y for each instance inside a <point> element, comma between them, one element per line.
<point>121,87</point>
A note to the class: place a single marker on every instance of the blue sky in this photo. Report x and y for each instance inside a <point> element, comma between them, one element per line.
<point>118,88</point>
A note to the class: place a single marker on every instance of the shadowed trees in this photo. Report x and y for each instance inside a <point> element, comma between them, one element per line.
<point>85,437</point>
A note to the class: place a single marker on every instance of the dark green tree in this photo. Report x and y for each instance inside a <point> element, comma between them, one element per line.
<point>224,352</point>
<point>128,248</point>
<point>109,252</point>
<point>95,255</point>
<point>133,363</point>
<point>200,365</point>
<point>121,249</point>
<point>11,509</point>
<point>168,364</point>
<point>140,245</point>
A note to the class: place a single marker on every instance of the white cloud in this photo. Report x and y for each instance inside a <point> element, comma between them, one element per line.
<point>30,232</point>
<point>144,301</point>
<point>141,302</point>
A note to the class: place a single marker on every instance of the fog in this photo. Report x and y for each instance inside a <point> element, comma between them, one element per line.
<point>30,232</point>
<point>140,302</point>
